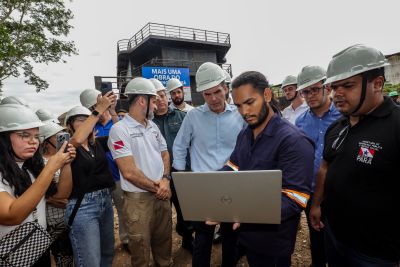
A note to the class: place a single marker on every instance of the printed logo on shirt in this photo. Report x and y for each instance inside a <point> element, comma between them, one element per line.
<point>118,145</point>
<point>156,134</point>
<point>367,151</point>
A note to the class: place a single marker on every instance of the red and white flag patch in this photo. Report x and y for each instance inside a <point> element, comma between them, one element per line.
<point>118,145</point>
<point>366,152</point>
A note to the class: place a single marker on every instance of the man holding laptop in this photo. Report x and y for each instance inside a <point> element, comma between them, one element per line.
<point>270,143</point>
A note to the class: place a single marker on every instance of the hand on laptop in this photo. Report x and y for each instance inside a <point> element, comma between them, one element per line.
<point>234,227</point>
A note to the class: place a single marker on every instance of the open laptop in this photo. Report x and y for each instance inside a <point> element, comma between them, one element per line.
<point>243,196</point>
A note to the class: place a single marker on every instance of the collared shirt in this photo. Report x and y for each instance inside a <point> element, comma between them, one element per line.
<point>292,114</point>
<point>315,128</point>
<point>280,146</point>
<point>103,130</point>
<point>169,125</point>
<point>209,136</point>
<point>145,144</point>
<point>362,182</point>
<point>186,109</point>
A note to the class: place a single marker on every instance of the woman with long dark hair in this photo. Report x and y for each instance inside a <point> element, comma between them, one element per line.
<point>24,179</point>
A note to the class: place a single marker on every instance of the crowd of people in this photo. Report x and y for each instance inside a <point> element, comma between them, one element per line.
<point>337,145</point>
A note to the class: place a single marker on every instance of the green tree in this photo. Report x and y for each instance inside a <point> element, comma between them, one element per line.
<point>33,31</point>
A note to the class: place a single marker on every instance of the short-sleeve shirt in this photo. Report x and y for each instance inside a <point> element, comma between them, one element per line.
<point>40,209</point>
<point>145,144</point>
<point>362,181</point>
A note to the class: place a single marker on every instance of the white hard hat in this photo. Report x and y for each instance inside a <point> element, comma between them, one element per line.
<point>49,129</point>
<point>157,84</point>
<point>46,116</point>
<point>228,78</point>
<point>140,86</point>
<point>88,97</point>
<point>14,100</point>
<point>75,111</point>
<point>17,117</point>
<point>209,75</point>
<point>173,84</point>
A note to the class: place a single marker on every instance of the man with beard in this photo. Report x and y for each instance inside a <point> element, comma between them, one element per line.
<point>175,89</point>
<point>209,132</point>
<point>270,142</point>
<point>141,154</point>
<point>297,105</point>
<point>169,122</point>
<point>358,180</point>
<point>314,122</point>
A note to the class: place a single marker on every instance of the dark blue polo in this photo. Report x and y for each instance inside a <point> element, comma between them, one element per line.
<point>279,146</point>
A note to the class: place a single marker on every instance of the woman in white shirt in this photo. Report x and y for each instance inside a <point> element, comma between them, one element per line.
<point>24,179</point>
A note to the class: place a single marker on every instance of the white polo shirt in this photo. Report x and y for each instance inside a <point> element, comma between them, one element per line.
<point>145,144</point>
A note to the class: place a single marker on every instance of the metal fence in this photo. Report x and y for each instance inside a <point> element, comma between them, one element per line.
<point>170,31</point>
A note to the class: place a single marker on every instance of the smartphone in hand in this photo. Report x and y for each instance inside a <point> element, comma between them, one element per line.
<point>60,138</point>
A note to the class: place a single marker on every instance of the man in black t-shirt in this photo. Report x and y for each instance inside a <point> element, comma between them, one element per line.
<point>357,182</point>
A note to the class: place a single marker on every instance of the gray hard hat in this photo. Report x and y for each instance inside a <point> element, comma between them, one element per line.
<point>289,80</point>
<point>310,75</point>
<point>354,60</point>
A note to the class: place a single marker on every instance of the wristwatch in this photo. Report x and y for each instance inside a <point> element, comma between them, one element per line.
<point>167,176</point>
<point>95,113</point>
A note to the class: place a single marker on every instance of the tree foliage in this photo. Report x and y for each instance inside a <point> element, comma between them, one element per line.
<point>391,87</point>
<point>33,31</point>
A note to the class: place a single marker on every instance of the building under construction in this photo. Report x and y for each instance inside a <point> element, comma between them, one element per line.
<point>165,51</point>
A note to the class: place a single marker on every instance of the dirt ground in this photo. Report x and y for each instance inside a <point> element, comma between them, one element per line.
<point>182,258</point>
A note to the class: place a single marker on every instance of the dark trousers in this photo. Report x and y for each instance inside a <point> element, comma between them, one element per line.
<point>203,240</point>
<point>341,255</point>
<point>318,254</point>
<point>256,260</point>
<point>183,228</point>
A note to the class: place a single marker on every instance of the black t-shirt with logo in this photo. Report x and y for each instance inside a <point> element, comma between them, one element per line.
<point>362,199</point>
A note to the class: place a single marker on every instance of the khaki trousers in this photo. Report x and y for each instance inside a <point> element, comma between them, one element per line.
<point>149,226</point>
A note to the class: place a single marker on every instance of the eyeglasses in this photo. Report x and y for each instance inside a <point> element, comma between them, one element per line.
<point>27,137</point>
<point>341,137</point>
<point>313,90</point>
